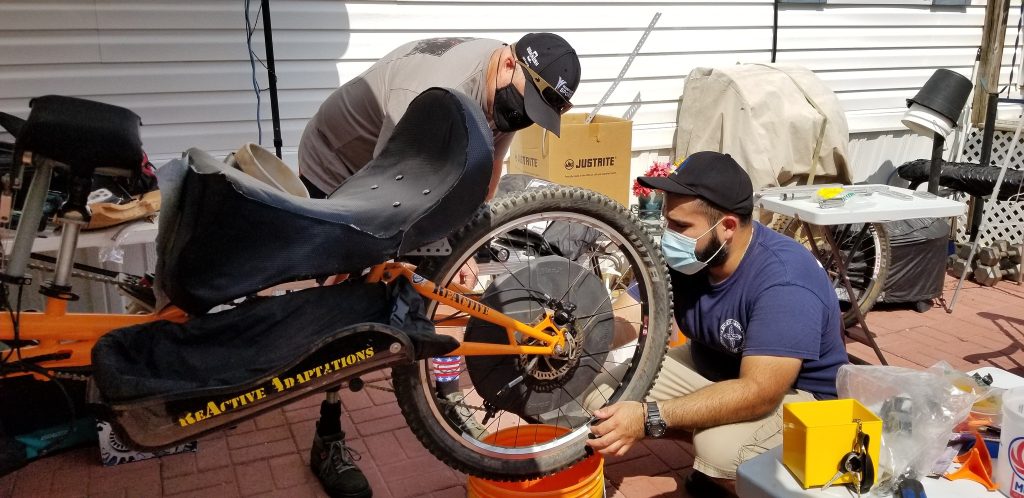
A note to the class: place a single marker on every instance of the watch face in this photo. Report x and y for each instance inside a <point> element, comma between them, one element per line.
<point>657,428</point>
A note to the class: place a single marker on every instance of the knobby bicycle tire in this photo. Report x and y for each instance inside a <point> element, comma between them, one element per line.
<point>412,382</point>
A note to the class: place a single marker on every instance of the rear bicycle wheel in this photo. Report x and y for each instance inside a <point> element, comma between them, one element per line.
<point>523,270</point>
<point>866,247</point>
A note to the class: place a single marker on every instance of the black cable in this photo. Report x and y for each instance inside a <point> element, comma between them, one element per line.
<point>15,313</point>
<point>15,324</point>
<point>250,28</point>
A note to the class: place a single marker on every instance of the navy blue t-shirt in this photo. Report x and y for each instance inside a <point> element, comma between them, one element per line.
<point>778,302</point>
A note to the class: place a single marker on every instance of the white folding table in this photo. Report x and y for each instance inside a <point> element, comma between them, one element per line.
<point>132,232</point>
<point>862,208</point>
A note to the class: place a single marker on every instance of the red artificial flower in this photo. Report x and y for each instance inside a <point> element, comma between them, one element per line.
<point>657,169</point>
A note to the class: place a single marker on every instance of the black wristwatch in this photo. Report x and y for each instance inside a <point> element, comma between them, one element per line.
<point>654,426</point>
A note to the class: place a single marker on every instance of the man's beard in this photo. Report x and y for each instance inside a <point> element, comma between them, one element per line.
<point>713,245</point>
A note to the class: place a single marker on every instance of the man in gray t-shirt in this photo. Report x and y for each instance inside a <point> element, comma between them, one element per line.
<point>353,124</point>
<point>516,85</point>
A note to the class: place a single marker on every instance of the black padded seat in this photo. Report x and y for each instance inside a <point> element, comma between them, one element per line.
<point>89,137</point>
<point>234,235</point>
<point>162,383</point>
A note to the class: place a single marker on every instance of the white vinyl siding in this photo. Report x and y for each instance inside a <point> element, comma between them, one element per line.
<point>183,66</point>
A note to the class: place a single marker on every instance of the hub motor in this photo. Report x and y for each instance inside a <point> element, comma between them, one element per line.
<point>578,302</point>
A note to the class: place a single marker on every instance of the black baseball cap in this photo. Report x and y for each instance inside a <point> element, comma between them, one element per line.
<point>712,176</point>
<point>556,75</point>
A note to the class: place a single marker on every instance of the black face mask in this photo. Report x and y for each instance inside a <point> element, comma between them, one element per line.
<point>510,110</point>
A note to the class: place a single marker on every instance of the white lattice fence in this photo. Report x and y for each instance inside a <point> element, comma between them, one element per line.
<point>1003,219</point>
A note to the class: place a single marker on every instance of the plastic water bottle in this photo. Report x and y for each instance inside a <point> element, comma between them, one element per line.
<point>1010,465</point>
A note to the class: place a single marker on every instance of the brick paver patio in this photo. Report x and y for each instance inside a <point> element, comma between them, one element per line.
<point>268,456</point>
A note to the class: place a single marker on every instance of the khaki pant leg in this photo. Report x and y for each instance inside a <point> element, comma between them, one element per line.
<point>720,450</point>
<point>676,378</point>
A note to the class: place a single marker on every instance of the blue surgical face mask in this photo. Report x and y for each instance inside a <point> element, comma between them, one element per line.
<point>681,251</point>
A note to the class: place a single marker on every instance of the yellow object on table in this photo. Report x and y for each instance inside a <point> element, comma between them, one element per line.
<point>829,192</point>
<point>817,434</point>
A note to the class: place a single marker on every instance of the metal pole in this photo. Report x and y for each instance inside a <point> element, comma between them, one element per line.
<point>31,215</point>
<point>994,196</point>
<point>268,40</point>
<point>938,142</point>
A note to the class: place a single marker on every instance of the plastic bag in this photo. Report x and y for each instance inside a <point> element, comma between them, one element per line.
<point>918,408</point>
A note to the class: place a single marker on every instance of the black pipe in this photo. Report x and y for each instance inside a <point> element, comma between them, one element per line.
<point>991,107</point>
<point>268,39</point>
<point>938,141</point>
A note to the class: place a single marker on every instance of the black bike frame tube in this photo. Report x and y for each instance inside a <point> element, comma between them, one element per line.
<point>938,142</point>
<point>986,159</point>
<point>268,40</point>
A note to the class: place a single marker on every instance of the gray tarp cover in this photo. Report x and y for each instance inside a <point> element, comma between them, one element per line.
<point>778,121</point>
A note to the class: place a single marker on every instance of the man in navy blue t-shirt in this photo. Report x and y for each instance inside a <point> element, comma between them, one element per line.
<point>761,316</point>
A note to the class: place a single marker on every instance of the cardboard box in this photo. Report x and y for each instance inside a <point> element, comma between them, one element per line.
<point>594,156</point>
<point>817,434</point>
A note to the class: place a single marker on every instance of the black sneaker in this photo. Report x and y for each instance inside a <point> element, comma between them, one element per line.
<point>334,465</point>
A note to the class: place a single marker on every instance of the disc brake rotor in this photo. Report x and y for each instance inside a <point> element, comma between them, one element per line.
<point>531,385</point>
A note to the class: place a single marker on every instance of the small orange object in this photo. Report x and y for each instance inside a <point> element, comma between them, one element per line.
<point>977,465</point>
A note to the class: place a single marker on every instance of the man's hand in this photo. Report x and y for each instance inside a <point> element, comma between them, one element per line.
<point>621,425</point>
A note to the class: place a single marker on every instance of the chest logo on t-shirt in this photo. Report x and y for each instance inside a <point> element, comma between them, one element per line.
<point>730,335</point>
<point>436,46</point>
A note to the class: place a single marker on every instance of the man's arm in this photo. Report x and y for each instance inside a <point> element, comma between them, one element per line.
<point>763,382</point>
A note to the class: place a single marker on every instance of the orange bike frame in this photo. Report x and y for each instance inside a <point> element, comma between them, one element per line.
<point>545,331</point>
<point>66,339</point>
<point>69,336</point>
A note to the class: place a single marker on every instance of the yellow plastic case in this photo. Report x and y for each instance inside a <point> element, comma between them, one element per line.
<point>816,435</point>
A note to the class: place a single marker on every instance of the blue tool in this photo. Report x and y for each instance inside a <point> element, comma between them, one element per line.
<point>910,488</point>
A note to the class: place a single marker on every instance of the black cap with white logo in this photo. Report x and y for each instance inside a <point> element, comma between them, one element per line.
<point>712,176</point>
<point>556,75</point>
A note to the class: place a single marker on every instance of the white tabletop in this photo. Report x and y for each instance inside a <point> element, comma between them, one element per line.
<point>764,476</point>
<point>873,208</point>
<point>135,232</point>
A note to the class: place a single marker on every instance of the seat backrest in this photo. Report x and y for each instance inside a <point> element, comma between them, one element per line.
<point>232,235</point>
<point>89,137</point>
<point>439,157</point>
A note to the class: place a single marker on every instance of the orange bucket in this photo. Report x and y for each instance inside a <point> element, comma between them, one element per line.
<point>585,479</point>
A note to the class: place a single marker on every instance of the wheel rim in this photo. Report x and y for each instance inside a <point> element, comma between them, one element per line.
<point>865,267</point>
<point>858,243</point>
<point>613,259</point>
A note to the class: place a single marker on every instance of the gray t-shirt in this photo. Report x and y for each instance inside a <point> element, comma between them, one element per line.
<point>353,124</point>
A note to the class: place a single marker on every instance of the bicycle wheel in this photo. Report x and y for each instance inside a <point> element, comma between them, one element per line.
<point>523,274</point>
<point>866,247</point>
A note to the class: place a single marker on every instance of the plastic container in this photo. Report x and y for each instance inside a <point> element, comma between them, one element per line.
<point>583,480</point>
<point>816,435</point>
<point>1010,464</point>
<point>990,408</point>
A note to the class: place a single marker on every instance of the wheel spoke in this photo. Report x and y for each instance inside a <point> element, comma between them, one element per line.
<point>527,390</point>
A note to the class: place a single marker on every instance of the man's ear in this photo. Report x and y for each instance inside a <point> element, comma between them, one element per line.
<point>509,61</point>
<point>731,222</point>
